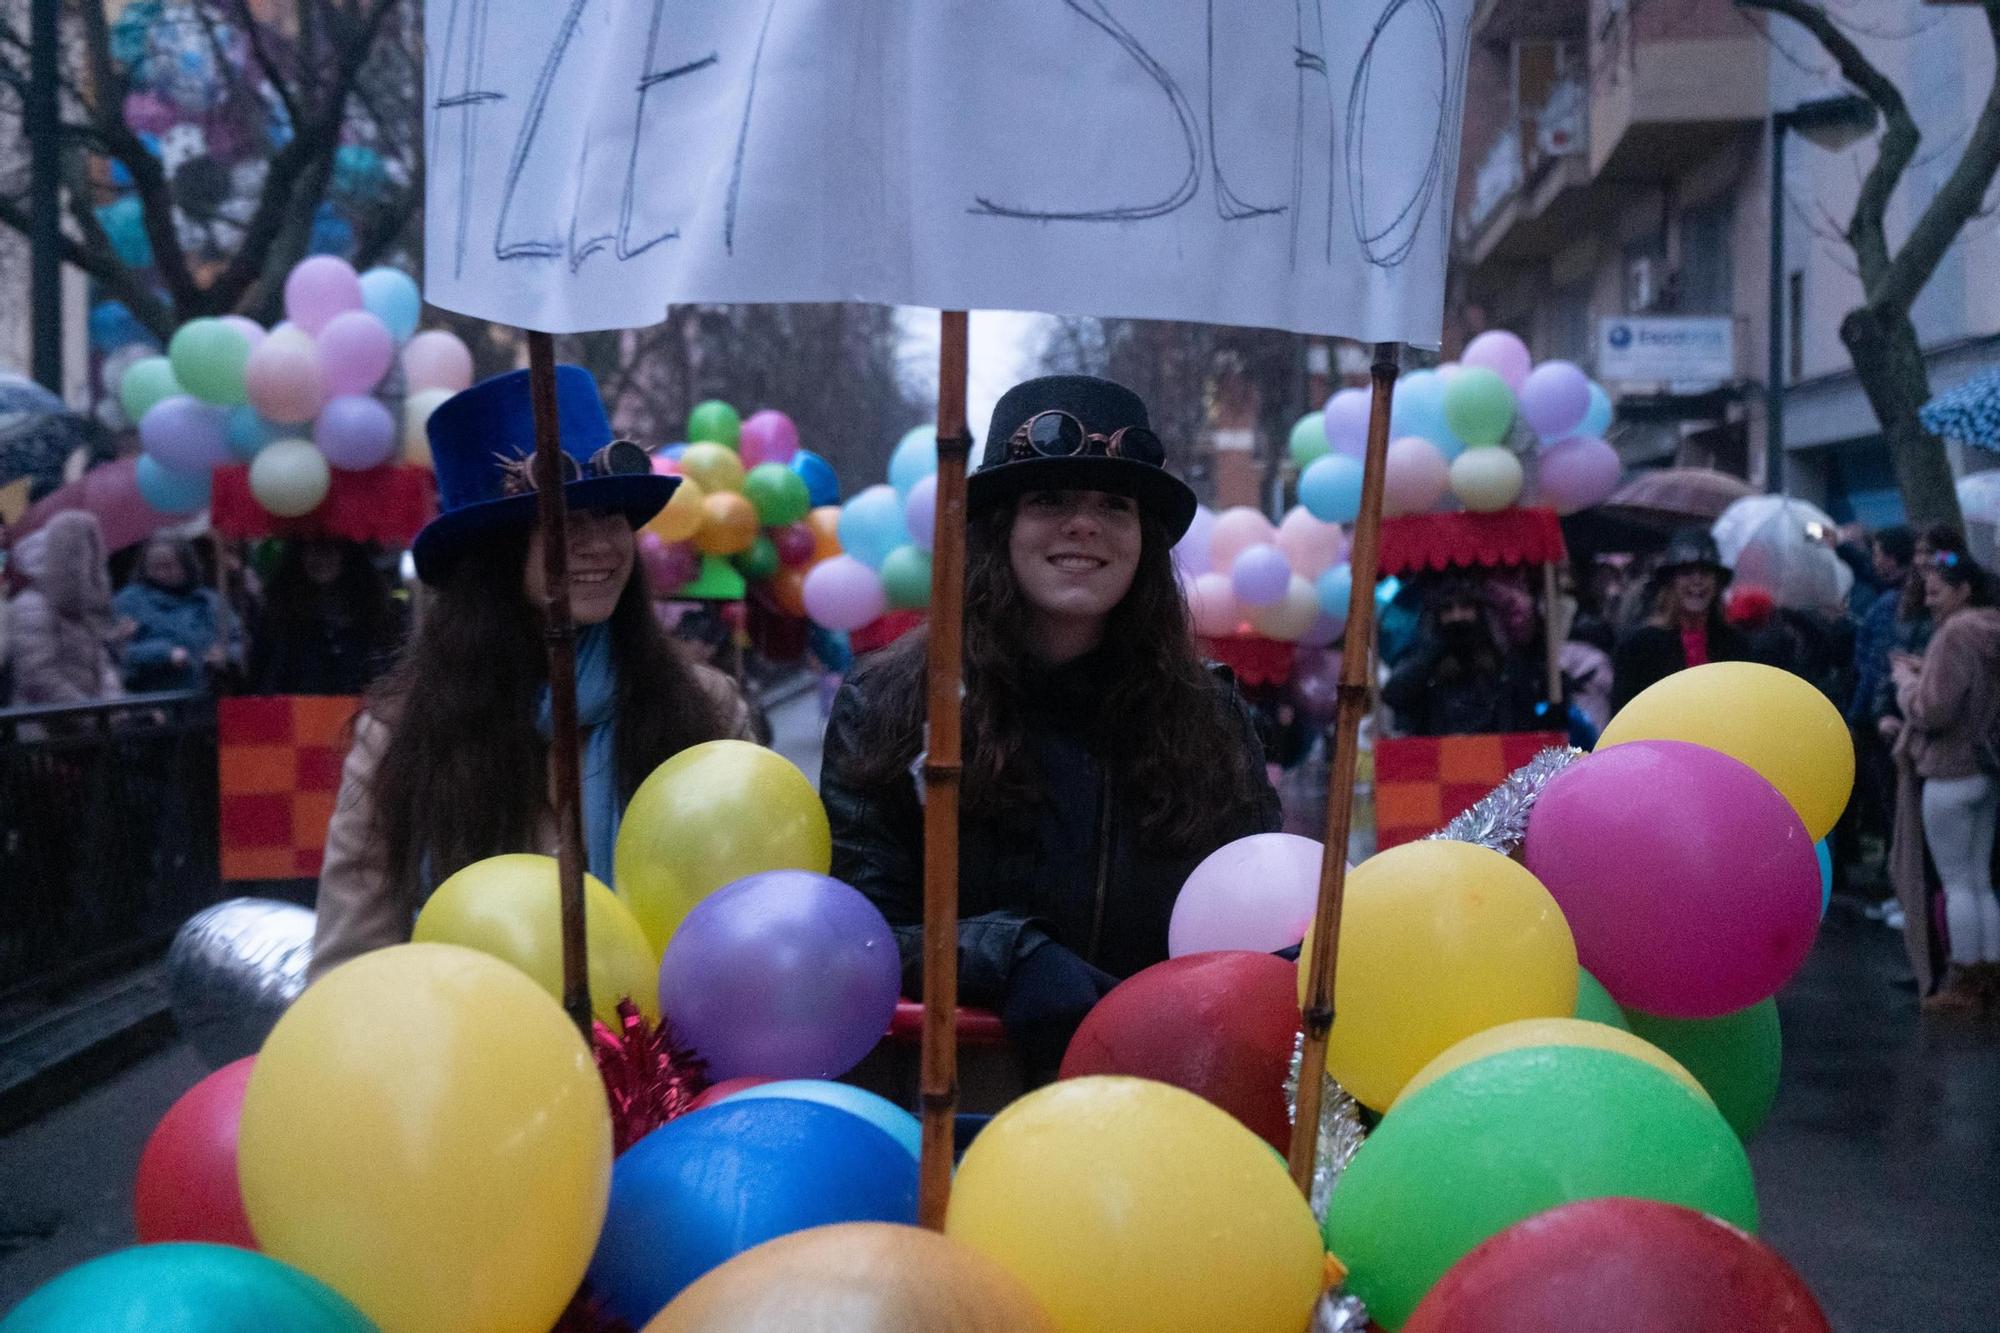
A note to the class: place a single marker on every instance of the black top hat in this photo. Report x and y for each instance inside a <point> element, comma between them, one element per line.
<point>1691,548</point>
<point>1011,466</point>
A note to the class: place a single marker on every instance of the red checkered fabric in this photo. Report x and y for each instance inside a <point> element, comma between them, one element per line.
<point>280,768</point>
<point>1423,782</point>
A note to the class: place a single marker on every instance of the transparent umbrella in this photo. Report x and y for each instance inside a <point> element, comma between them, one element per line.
<point>1745,516</point>
<point>1778,544</point>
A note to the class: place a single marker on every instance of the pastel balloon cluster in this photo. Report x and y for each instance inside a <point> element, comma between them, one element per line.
<point>1245,575</point>
<point>884,534</point>
<point>750,499</point>
<point>295,402</point>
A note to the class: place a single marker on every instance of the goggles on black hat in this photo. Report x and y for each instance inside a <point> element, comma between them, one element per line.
<point>1056,434</point>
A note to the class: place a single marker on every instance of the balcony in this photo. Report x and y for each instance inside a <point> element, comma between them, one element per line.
<point>1524,185</point>
<point>1669,85</point>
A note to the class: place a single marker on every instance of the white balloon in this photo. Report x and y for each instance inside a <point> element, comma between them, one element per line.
<point>1486,479</point>
<point>290,478</point>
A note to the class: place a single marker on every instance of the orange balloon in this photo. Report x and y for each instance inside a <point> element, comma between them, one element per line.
<point>788,590</point>
<point>825,524</point>
<point>681,519</point>
<point>728,524</point>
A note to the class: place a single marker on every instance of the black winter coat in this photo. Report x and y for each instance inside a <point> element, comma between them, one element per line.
<point>1651,653</point>
<point>1076,870</point>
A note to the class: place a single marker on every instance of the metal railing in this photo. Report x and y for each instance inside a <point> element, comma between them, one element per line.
<point>108,833</point>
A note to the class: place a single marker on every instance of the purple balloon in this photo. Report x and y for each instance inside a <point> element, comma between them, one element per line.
<point>920,511</point>
<point>767,437</point>
<point>1555,399</point>
<point>1261,575</point>
<point>1191,551</point>
<point>184,434</point>
<point>1347,422</point>
<point>784,974</point>
<point>1502,353</point>
<point>841,593</point>
<point>1577,473</point>
<point>355,432</point>
<point>355,351</point>
<point>318,288</point>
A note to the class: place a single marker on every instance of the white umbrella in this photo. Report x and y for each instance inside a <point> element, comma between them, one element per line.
<point>1752,512</point>
<point>1777,543</point>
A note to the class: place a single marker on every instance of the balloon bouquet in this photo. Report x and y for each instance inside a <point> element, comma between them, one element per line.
<point>880,557</point>
<point>297,402</point>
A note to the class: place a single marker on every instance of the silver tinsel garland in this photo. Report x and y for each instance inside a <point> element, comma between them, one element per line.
<point>1340,1131</point>
<point>1499,820</point>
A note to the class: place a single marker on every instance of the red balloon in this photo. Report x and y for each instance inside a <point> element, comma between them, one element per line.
<point>795,543</point>
<point>715,1092</point>
<point>1631,1264</point>
<point>1218,1024</point>
<point>187,1189</point>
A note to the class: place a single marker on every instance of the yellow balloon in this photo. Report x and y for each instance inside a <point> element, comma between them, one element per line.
<point>856,1277</point>
<point>1775,722</point>
<point>714,467</point>
<point>1128,1206</point>
<point>709,816</point>
<point>417,409</point>
<point>425,1132</point>
<point>511,907</point>
<point>1529,1032</point>
<point>682,517</point>
<point>1438,940</point>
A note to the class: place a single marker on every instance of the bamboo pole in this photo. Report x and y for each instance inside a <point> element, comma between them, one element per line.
<point>1551,594</point>
<point>1317,1013</point>
<point>559,632</point>
<point>939,1072</point>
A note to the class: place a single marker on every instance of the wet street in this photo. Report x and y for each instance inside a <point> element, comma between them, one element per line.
<point>1878,1173</point>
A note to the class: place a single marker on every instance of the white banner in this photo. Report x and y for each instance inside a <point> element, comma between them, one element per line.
<point>1281,163</point>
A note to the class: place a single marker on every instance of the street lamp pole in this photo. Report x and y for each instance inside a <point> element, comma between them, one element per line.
<point>43,117</point>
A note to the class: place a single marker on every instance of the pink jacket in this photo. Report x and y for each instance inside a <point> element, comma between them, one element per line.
<point>60,627</point>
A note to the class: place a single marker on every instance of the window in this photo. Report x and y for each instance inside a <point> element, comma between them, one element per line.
<point>1707,276</point>
<point>1796,324</point>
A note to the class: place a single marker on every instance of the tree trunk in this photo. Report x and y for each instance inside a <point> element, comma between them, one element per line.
<point>1889,362</point>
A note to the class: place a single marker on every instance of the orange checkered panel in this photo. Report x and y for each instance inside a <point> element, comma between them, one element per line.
<point>1422,783</point>
<point>280,767</point>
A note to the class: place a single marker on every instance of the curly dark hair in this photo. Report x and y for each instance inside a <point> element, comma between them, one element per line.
<point>463,775</point>
<point>1166,729</point>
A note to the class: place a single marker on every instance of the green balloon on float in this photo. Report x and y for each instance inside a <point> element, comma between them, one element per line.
<point>208,358</point>
<point>1736,1057</point>
<point>185,1288</point>
<point>1478,406</point>
<point>906,578</point>
<point>1513,1135</point>
<point>1308,443</point>
<point>714,422</point>
<point>145,383</point>
<point>779,494</point>
<point>1595,1005</point>
<point>760,561</point>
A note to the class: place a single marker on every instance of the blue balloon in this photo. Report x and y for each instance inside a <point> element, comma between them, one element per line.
<point>170,491</point>
<point>1330,488</point>
<point>871,525</point>
<point>822,483</point>
<point>185,1288</point>
<point>332,234</point>
<point>113,325</point>
<point>249,433</point>
<point>880,1112</point>
<point>1418,409</point>
<point>1597,419</point>
<point>1825,876</point>
<point>1335,587</point>
<point>392,297</point>
<point>915,458</point>
<point>707,1186</point>
<point>674,451</point>
<point>124,223</point>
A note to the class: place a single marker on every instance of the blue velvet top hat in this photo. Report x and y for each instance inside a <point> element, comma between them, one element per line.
<point>482,450</point>
<point>1079,433</point>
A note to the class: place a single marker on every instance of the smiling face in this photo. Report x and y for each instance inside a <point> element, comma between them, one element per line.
<point>1942,596</point>
<point>601,550</point>
<point>1694,591</point>
<point>1074,554</point>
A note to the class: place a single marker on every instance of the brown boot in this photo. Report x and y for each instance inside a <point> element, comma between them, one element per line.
<point>1961,993</point>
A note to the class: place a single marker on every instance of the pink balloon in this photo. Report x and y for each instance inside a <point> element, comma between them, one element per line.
<point>318,288</point>
<point>355,349</point>
<point>1212,606</point>
<point>149,113</point>
<point>1260,575</point>
<point>1256,893</point>
<point>1502,353</point>
<point>1313,547</point>
<point>355,432</point>
<point>1347,422</point>
<point>1415,477</point>
<point>920,511</point>
<point>1235,531</point>
<point>1191,554</point>
<point>436,359</point>
<point>767,437</point>
<point>795,544</point>
<point>252,331</point>
<point>282,377</point>
<point>844,594</point>
<point>670,566</point>
<point>1577,473</point>
<point>1555,399</point>
<point>1688,881</point>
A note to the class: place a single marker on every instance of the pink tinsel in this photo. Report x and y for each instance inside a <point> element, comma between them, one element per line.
<point>647,1078</point>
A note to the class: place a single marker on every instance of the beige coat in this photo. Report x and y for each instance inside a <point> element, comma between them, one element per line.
<point>358,910</point>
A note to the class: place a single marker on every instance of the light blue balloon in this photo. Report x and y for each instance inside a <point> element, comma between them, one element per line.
<point>249,433</point>
<point>880,1112</point>
<point>1597,419</point>
<point>169,491</point>
<point>871,525</point>
<point>391,296</point>
<point>1418,409</point>
<point>1330,488</point>
<point>915,458</point>
<point>1825,876</point>
<point>1335,587</point>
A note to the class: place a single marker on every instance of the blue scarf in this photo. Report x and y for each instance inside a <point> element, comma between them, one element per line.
<point>597,720</point>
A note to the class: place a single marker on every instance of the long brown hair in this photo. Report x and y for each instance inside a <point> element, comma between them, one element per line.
<point>1165,728</point>
<point>464,775</point>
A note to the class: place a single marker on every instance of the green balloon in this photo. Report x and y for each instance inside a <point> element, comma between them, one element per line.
<point>208,358</point>
<point>1309,440</point>
<point>1594,1003</point>
<point>714,422</point>
<point>906,578</point>
<point>760,561</point>
<point>1736,1057</point>
<point>185,1288</point>
<point>778,494</point>
<point>1513,1135</point>
<point>145,383</point>
<point>1478,406</point>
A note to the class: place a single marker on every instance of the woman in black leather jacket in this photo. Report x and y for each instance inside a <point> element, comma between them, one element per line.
<point>1102,760</point>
